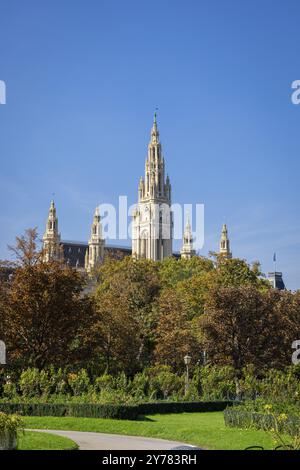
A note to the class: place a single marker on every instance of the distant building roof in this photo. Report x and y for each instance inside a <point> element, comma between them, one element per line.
<point>74,252</point>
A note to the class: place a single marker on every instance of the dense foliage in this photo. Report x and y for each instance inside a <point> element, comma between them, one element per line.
<point>9,427</point>
<point>125,339</point>
<point>240,418</point>
<point>111,411</point>
<point>207,383</point>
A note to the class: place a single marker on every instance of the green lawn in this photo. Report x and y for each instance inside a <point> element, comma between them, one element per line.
<point>30,440</point>
<point>202,429</point>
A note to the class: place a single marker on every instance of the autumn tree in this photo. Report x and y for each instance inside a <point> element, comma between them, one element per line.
<point>287,313</point>
<point>117,335</point>
<point>243,325</point>
<point>44,313</point>
<point>176,331</point>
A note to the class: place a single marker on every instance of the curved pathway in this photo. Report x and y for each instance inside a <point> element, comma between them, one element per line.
<point>101,441</point>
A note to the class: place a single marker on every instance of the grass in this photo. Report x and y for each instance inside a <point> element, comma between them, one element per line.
<point>205,430</point>
<point>31,440</point>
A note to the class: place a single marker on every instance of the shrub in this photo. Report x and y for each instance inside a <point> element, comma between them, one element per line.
<point>163,382</point>
<point>34,409</point>
<point>281,386</point>
<point>248,384</point>
<point>182,407</point>
<point>140,385</point>
<point>79,383</point>
<point>82,410</point>
<point>218,382</point>
<point>30,383</point>
<point>59,382</point>
<point>239,418</point>
<point>104,382</point>
<point>9,426</point>
<point>112,411</point>
<point>10,390</point>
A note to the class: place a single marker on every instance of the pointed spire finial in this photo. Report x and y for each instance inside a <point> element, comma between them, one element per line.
<point>187,223</point>
<point>154,130</point>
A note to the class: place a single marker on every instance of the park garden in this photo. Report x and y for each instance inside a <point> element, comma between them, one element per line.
<point>198,351</point>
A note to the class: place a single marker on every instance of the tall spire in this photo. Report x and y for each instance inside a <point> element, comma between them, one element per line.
<point>154,131</point>
<point>225,243</point>
<point>152,219</point>
<point>187,250</point>
<point>95,251</point>
<point>51,238</point>
<point>154,185</point>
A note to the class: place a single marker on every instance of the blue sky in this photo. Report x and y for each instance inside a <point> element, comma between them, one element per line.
<point>83,79</point>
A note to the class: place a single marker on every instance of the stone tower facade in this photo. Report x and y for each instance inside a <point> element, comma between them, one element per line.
<point>187,250</point>
<point>95,252</point>
<point>51,238</point>
<point>225,243</point>
<point>152,218</point>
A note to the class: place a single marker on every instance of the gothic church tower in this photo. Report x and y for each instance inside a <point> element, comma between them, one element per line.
<point>51,238</point>
<point>225,243</point>
<point>95,252</point>
<point>152,218</point>
<point>187,250</point>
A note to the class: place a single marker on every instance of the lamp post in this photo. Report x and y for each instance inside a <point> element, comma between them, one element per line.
<point>187,361</point>
<point>2,353</point>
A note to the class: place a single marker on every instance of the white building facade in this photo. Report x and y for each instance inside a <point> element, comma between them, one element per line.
<point>152,219</point>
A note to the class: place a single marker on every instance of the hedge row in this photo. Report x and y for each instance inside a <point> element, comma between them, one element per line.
<point>249,419</point>
<point>182,407</point>
<point>82,410</point>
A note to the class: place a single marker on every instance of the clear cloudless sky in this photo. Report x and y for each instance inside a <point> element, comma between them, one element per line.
<point>83,79</point>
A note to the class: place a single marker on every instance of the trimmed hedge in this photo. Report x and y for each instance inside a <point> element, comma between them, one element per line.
<point>80,410</point>
<point>250,419</point>
<point>103,411</point>
<point>182,407</point>
<point>131,412</point>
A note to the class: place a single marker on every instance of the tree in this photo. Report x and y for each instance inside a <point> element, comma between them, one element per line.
<point>173,271</point>
<point>45,315</point>
<point>117,335</point>
<point>176,331</point>
<point>124,299</point>
<point>243,326</point>
<point>235,272</point>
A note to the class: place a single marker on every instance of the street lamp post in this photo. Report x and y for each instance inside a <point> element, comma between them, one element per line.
<point>187,361</point>
<point>2,353</point>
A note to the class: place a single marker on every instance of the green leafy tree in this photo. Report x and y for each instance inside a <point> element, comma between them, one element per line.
<point>124,299</point>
